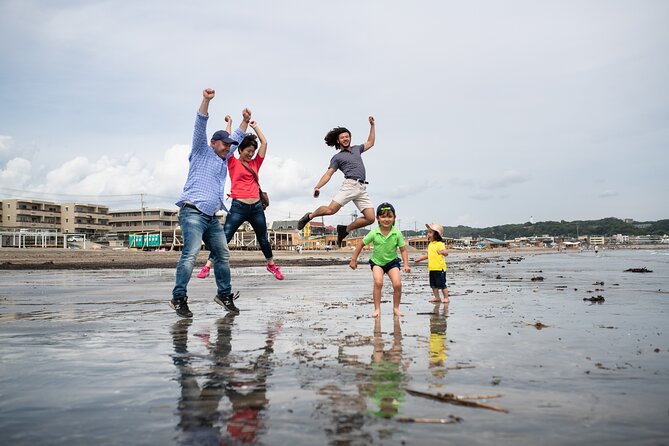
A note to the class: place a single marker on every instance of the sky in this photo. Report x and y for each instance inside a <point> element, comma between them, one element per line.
<point>487,112</point>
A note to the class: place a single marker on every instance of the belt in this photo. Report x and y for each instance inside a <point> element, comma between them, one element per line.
<point>188,205</point>
<point>357,179</point>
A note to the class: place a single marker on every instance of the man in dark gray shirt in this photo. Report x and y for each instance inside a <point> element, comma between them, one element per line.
<point>354,187</point>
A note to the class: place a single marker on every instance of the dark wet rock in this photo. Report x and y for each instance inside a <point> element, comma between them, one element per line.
<point>638,270</point>
<point>598,299</point>
<point>537,279</point>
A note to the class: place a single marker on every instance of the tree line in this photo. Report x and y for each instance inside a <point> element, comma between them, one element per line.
<point>570,229</point>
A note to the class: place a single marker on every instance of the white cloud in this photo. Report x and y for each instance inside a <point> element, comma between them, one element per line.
<point>285,178</point>
<point>6,143</point>
<point>16,174</point>
<point>587,87</point>
<point>482,196</point>
<point>407,190</point>
<point>506,179</point>
<point>608,193</point>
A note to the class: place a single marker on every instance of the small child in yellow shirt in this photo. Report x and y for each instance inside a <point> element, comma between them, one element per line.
<point>436,261</point>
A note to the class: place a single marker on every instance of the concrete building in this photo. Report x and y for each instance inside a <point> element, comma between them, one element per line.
<point>30,214</point>
<point>596,240</point>
<point>89,219</point>
<point>164,222</point>
<point>284,225</point>
<point>143,220</point>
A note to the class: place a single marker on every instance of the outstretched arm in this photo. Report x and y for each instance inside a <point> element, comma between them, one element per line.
<point>420,259</point>
<point>353,264</point>
<point>323,181</point>
<point>228,125</point>
<point>207,95</point>
<point>246,118</point>
<point>372,135</point>
<point>240,132</point>
<point>263,142</point>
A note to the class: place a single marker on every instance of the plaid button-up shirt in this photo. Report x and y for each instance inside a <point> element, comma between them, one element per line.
<point>205,185</point>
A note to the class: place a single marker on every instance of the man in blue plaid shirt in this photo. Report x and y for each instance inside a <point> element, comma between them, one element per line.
<point>202,197</point>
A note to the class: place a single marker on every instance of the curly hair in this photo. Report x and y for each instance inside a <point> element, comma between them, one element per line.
<point>332,138</point>
<point>249,140</point>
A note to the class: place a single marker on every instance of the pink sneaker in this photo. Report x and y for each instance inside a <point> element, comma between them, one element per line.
<point>204,272</point>
<point>275,270</point>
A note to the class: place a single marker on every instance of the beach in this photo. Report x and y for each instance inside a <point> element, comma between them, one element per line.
<point>534,347</point>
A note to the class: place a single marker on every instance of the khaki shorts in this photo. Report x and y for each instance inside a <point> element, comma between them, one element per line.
<point>352,190</point>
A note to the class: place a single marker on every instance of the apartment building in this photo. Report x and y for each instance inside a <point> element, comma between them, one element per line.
<point>90,219</point>
<point>30,214</point>
<point>123,223</point>
<point>597,240</point>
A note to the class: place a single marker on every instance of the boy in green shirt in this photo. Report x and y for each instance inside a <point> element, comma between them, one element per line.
<point>386,238</point>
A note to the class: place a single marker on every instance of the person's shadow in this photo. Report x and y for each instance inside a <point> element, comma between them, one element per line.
<point>203,419</point>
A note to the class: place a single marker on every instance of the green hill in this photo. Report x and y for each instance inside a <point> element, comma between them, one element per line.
<point>605,227</point>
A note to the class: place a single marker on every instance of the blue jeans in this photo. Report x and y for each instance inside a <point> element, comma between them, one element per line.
<point>255,215</point>
<point>197,227</point>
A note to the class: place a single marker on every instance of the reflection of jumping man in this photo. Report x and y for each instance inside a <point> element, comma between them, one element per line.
<point>349,161</point>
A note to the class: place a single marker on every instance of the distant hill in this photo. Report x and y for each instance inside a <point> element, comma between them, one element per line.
<point>605,227</point>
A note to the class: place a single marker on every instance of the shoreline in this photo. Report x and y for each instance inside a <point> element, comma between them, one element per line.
<point>99,259</point>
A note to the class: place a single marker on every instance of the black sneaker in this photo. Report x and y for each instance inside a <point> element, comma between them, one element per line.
<point>181,307</point>
<point>341,234</point>
<point>303,221</point>
<point>228,302</point>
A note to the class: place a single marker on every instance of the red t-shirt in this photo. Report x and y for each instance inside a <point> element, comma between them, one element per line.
<point>243,185</point>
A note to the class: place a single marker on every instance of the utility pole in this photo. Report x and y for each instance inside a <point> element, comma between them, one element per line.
<point>141,209</point>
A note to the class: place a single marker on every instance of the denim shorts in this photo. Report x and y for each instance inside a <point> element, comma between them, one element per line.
<point>388,266</point>
<point>438,280</point>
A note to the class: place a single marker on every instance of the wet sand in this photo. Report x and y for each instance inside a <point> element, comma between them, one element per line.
<point>97,357</point>
<point>88,259</point>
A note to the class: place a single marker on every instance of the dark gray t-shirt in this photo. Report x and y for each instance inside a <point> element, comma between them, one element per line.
<point>350,162</point>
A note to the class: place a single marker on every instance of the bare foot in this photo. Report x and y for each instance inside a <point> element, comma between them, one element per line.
<point>376,313</point>
<point>445,301</point>
<point>397,312</point>
<point>434,301</point>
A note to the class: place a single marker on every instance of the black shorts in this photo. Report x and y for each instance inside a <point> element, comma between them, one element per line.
<point>438,280</point>
<point>388,266</point>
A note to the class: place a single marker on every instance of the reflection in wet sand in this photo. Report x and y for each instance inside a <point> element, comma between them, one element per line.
<point>242,380</point>
<point>438,348</point>
<point>93,358</point>
<point>387,377</point>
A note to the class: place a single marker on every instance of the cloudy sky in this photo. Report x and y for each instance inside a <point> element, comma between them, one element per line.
<point>487,112</point>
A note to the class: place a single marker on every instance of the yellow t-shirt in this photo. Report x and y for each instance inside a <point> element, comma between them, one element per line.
<point>435,261</point>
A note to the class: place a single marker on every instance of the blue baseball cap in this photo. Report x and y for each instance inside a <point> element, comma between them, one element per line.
<point>385,207</point>
<point>222,135</point>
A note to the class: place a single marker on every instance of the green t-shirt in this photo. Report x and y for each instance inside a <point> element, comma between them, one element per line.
<point>385,248</point>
